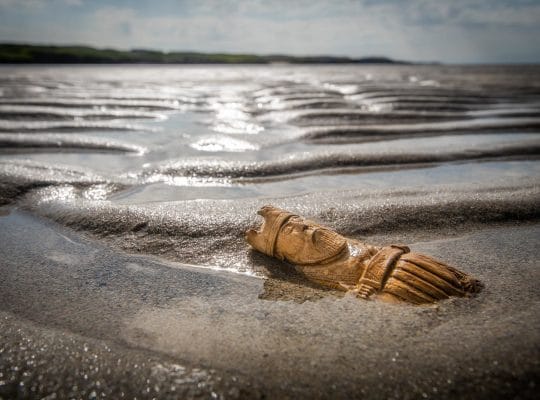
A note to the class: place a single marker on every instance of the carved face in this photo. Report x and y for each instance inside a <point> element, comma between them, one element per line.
<point>304,242</point>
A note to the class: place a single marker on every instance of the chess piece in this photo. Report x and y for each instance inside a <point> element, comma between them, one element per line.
<point>391,273</point>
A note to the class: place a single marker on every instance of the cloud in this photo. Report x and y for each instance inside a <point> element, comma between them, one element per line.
<point>37,4</point>
<point>457,31</point>
<point>236,32</point>
<point>24,4</point>
<point>73,2</point>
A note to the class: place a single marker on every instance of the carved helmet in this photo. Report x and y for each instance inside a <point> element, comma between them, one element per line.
<point>265,239</point>
<point>324,246</point>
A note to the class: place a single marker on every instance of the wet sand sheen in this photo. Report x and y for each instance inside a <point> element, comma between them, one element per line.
<point>158,318</point>
<point>126,192</point>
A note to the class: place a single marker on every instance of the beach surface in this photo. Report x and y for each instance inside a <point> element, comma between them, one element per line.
<point>125,192</point>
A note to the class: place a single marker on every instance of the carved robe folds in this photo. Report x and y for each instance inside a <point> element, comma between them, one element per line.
<point>390,273</point>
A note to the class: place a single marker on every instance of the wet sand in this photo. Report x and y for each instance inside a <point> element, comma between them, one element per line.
<point>125,193</point>
<point>80,317</point>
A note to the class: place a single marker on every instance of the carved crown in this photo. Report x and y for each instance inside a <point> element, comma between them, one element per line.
<point>264,240</point>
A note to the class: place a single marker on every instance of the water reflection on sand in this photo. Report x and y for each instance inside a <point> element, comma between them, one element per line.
<point>126,191</point>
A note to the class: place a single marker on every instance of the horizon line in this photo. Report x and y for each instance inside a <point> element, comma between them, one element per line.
<point>352,59</point>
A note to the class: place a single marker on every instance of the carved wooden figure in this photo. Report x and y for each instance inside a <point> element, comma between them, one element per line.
<point>391,273</point>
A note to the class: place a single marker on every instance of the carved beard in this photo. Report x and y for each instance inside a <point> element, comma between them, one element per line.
<point>321,246</point>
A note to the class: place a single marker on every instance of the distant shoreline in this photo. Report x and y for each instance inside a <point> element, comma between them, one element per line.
<point>44,54</point>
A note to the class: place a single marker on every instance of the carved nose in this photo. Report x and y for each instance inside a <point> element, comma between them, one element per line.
<point>250,234</point>
<point>264,210</point>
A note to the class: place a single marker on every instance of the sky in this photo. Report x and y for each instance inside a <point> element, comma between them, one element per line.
<point>450,31</point>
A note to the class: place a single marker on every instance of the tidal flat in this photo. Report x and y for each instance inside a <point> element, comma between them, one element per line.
<point>125,192</point>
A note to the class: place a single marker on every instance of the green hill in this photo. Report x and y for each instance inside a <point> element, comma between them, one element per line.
<point>37,54</point>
